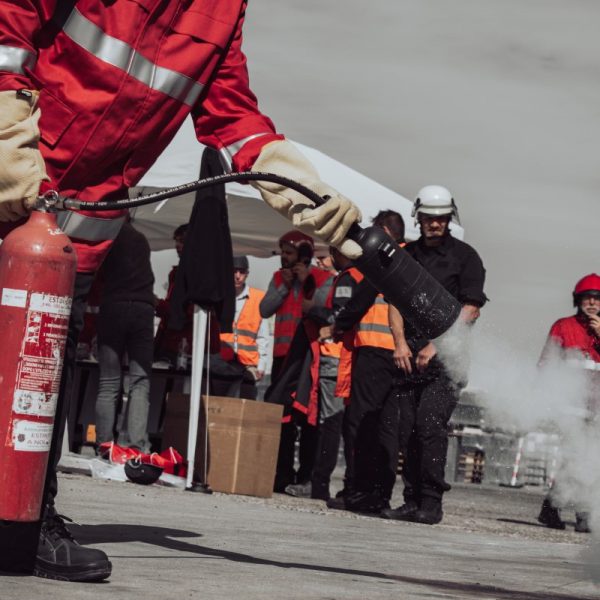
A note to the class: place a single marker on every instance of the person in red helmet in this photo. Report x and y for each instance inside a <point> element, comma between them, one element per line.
<point>577,339</point>
<point>294,291</point>
<point>91,93</point>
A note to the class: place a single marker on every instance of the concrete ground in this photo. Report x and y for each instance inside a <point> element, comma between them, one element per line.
<point>165,543</point>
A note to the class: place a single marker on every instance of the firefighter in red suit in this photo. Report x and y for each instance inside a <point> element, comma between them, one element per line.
<point>90,95</point>
<point>577,340</point>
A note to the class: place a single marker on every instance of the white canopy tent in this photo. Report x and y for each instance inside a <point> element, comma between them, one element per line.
<point>255,227</point>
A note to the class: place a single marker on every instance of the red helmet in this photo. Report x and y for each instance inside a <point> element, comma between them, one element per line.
<point>590,284</point>
<point>296,239</point>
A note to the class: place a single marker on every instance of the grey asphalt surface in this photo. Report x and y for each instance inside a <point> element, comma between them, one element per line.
<point>165,543</point>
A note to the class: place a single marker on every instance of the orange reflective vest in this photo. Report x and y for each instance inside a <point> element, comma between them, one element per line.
<point>374,327</point>
<point>346,354</point>
<point>245,331</point>
<point>318,349</point>
<point>289,313</point>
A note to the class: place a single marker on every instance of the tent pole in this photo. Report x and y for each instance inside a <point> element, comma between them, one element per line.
<point>198,348</point>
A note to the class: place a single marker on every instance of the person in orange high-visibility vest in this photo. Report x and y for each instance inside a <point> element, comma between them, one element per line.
<point>244,354</point>
<point>296,290</point>
<point>325,370</point>
<point>370,427</point>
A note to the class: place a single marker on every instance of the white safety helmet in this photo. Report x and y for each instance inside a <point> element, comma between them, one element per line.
<point>435,200</point>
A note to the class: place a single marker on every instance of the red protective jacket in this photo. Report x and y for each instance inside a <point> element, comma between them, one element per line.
<point>116,81</point>
<point>579,345</point>
<point>573,333</point>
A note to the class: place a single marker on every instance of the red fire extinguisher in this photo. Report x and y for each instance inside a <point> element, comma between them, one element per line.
<point>37,273</point>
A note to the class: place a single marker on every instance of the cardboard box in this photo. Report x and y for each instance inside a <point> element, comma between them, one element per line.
<point>243,441</point>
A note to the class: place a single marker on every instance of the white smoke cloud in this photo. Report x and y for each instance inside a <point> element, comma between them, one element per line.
<point>520,396</point>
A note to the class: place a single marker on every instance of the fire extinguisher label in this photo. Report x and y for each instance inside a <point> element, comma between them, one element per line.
<point>29,436</point>
<point>38,377</point>
<point>57,305</point>
<point>12,297</point>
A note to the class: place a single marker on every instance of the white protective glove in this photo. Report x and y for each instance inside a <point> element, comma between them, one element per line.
<point>21,164</point>
<point>329,222</point>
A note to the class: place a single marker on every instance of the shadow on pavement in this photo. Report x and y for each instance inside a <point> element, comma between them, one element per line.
<point>165,538</point>
<point>520,522</point>
<point>530,523</point>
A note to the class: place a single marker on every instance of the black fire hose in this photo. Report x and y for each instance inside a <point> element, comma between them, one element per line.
<point>413,291</point>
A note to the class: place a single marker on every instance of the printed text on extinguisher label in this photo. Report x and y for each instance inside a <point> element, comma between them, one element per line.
<point>29,436</point>
<point>38,377</point>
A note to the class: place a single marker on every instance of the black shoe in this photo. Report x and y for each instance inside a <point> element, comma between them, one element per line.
<point>299,490</point>
<point>61,557</point>
<point>337,503</point>
<point>581,523</point>
<point>406,512</point>
<point>366,503</point>
<point>550,516</point>
<point>430,512</point>
<point>343,492</point>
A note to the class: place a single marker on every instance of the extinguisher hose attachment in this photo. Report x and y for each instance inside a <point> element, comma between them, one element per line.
<point>52,200</point>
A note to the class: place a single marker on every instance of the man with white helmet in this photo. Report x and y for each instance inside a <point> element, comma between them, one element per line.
<point>429,392</point>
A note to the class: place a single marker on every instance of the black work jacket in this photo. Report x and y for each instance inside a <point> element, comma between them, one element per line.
<point>456,265</point>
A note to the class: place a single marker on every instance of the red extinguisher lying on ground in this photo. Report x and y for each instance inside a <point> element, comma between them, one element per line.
<point>37,273</point>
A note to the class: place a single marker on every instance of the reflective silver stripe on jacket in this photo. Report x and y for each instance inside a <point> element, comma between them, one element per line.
<point>91,229</point>
<point>374,327</point>
<point>16,60</point>
<point>246,332</point>
<point>247,347</point>
<point>227,153</point>
<point>122,56</point>
<point>283,339</point>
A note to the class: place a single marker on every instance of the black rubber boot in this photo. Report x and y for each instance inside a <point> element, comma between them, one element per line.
<point>581,522</point>
<point>370,503</point>
<point>430,512</point>
<point>406,512</point>
<point>550,516</point>
<point>337,503</point>
<point>61,557</point>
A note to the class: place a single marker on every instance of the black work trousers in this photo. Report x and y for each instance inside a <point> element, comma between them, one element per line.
<point>331,415</point>
<point>328,446</point>
<point>370,427</point>
<point>83,284</point>
<point>286,474</point>
<point>244,388</point>
<point>425,409</point>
